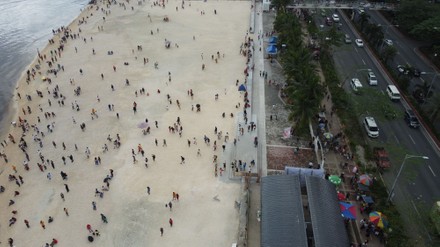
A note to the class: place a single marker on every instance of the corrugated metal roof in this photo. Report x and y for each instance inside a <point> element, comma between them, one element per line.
<point>282,215</point>
<point>327,222</point>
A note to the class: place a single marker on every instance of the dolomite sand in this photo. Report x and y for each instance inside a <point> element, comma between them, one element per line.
<point>134,218</point>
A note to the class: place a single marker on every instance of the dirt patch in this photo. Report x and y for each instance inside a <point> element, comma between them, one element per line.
<point>280,157</point>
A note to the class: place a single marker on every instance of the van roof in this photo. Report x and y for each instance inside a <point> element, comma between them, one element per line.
<point>393,88</point>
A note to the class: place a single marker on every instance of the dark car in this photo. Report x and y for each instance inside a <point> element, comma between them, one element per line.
<point>416,72</point>
<point>411,119</point>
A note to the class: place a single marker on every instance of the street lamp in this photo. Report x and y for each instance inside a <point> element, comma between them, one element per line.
<point>432,82</point>
<point>407,156</point>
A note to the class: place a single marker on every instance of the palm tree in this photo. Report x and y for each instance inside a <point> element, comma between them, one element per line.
<point>424,88</point>
<point>363,20</point>
<point>374,34</point>
<point>388,53</point>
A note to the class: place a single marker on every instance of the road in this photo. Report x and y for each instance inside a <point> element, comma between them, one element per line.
<point>407,51</point>
<point>351,61</point>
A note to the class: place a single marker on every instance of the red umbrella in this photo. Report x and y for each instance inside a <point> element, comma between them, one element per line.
<point>341,196</point>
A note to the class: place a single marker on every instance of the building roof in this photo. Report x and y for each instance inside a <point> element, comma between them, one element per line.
<point>327,222</point>
<point>282,215</point>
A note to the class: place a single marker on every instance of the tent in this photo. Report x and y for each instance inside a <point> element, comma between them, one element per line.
<point>272,50</point>
<point>273,40</point>
<point>242,88</point>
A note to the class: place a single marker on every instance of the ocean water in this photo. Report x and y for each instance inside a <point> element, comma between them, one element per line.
<point>25,26</point>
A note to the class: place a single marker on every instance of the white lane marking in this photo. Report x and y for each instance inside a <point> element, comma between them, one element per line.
<point>397,140</point>
<point>410,137</point>
<point>432,171</point>
<point>415,208</point>
<point>363,62</point>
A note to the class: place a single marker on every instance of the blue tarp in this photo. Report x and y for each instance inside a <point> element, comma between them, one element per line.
<point>303,173</point>
<point>273,40</point>
<point>242,87</point>
<point>367,199</point>
<point>272,50</point>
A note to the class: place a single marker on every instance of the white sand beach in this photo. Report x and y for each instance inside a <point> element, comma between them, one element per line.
<point>134,218</point>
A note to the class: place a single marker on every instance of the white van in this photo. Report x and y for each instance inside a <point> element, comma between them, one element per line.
<point>371,127</point>
<point>356,85</point>
<point>393,93</point>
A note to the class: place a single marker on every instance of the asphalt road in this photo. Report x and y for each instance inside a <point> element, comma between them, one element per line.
<point>352,61</point>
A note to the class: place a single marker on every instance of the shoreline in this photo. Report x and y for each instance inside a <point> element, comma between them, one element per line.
<point>11,113</point>
<point>197,33</point>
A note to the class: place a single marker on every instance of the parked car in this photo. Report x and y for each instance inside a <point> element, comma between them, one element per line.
<point>371,127</point>
<point>411,119</point>
<point>388,42</point>
<point>335,17</point>
<point>359,43</point>
<point>408,70</point>
<point>328,21</point>
<point>416,72</point>
<point>402,69</point>
<point>381,157</point>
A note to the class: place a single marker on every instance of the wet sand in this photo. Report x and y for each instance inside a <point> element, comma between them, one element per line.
<point>134,218</point>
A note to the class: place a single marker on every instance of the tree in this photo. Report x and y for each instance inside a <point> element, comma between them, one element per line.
<point>374,34</point>
<point>428,30</point>
<point>363,20</point>
<point>388,53</point>
<point>413,12</point>
<point>280,5</point>
<point>424,88</point>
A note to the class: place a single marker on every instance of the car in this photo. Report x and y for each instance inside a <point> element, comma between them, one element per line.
<point>356,85</point>
<point>372,79</point>
<point>408,70</point>
<point>371,127</point>
<point>416,72</point>
<point>347,39</point>
<point>335,17</point>
<point>411,119</point>
<point>328,21</point>
<point>388,42</point>
<point>402,69</point>
<point>359,43</point>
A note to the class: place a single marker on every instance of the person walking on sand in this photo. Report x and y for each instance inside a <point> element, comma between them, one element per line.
<point>161,231</point>
<point>171,222</point>
<point>26,222</point>
<point>62,196</point>
<point>66,211</point>
<point>94,205</point>
<point>67,188</point>
<point>89,228</point>
<point>42,224</point>
<point>104,218</point>
<point>148,190</point>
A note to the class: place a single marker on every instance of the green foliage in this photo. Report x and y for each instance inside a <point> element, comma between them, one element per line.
<point>303,89</point>
<point>403,82</point>
<point>428,29</point>
<point>388,53</point>
<point>280,5</point>
<point>421,19</point>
